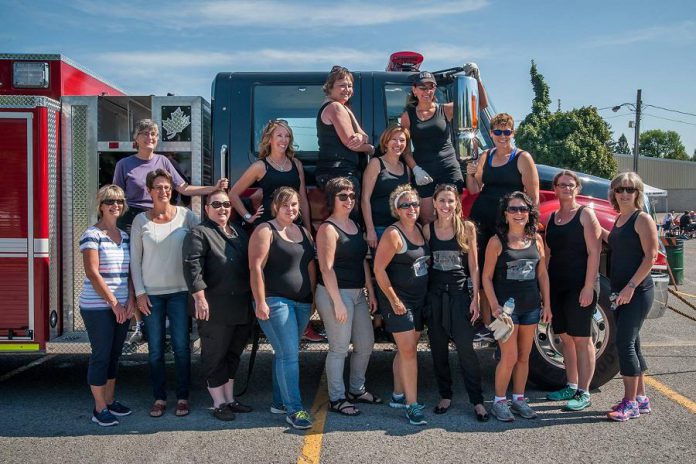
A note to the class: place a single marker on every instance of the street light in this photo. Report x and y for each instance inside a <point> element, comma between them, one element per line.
<point>636,142</point>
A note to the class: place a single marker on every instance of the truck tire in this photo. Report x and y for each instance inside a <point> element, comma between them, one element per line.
<point>546,368</point>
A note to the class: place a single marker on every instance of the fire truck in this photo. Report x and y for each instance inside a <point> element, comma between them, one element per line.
<point>62,164</point>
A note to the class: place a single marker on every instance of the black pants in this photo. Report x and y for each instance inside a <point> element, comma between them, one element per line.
<point>106,338</point>
<point>629,319</point>
<point>125,221</point>
<point>448,318</point>
<point>221,348</point>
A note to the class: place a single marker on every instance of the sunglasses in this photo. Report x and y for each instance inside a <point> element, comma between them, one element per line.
<point>345,196</point>
<point>517,209</point>
<point>625,190</point>
<point>220,204</point>
<point>500,132</point>
<point>113,201</point>
<point>566,186</point>
<point>413,204</point>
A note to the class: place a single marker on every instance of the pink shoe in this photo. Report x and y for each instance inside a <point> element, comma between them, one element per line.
<point>643,406</point>
<point>624,411</point>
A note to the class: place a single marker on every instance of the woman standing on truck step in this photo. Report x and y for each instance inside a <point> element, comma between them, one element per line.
<point>157,237</point>
<point>514,270</point>
<point>277,167</point>
<point>345,298</point>
<point>401,270</point>
<point>499,171</point>
<point>130,174</point>
<point>216,269</point>
<point>573,246</point>
<point>106,301</point>
<point>452,311</point>
<point>633,246</point>
<point>341,140</point>
<point>283,278</point>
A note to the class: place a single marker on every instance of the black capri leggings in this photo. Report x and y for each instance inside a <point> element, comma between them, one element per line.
<point>629,319</point>
<point>221,349</point>
<point>106,338</point>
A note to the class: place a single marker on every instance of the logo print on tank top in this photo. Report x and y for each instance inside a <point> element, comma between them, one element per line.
<point>447,260</point>
<point>522,269</point>
<point>420,266</point>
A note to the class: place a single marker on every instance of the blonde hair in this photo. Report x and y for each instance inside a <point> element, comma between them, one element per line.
<point>389,133</point>
<point>502,119</point>
<point>398,192</point>
<point>464,229</point>
<point>265,143</point>
<point>282,195</point>
<point>110,192</point>
<point>634,180</point>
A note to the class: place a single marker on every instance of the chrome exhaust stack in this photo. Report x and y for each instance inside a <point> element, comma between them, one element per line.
<point>465,122</point>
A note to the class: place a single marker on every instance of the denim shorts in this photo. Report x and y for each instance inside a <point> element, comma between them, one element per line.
<point>527,317</point>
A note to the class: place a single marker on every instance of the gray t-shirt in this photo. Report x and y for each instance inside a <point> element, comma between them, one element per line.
<point>130,174</point>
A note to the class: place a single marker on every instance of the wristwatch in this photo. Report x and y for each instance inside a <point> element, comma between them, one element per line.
<point>247,216</point>
<point>631,284</point>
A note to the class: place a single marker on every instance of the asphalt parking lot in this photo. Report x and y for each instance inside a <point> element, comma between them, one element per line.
<point>45,412</point>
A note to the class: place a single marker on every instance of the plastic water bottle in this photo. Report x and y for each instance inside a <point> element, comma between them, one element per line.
<point>612,299</point>
<point>509,306</point>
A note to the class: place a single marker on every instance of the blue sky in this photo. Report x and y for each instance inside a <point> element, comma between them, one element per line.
<point>591,52</point>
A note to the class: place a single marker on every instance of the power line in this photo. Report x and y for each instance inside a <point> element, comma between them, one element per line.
<point>673,111</point>
<point>668,119</point>
<point>617,115</point>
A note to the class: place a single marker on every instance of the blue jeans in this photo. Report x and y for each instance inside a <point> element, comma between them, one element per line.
<point>174,307</point>
<point>283,329</point>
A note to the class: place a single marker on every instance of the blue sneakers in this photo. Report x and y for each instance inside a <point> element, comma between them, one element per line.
<point>398,402</point>
<point>414,414</point>
<point>118,409</point>
<point>104,418</point>
<point>299,420</point>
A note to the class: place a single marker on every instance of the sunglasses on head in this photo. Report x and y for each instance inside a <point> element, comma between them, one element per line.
<point>345,196</point>
<point>412,204</point>
<point>337,68</point>
<point>625,189</point>
<point>500,132</point>
<point>220,204</point>
<point>113,201</point>
<point>517,209</point>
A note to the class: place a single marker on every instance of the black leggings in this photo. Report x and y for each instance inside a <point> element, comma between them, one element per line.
<point>221,348</point>
<point>629,319</point>
<point>448,318</point>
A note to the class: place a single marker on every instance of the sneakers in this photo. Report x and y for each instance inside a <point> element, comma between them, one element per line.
<point>223,413</point>
<point>311,335</point>
<point>276,409</point>
<point>624,411</point>
<point>484,335</point>
<point>299,420</point>
<point>414,414</point>
<point>580,401</point>
<point>643,406</point>
<point>522,409</point>
<point>501,411</point>
<point>398,402</point>
<point>117,409</point>
<point>104,418</point>
<point>138,335</point>
<point>564,394</point>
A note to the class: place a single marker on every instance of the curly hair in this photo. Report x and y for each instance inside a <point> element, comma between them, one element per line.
<point>336,73</point>
<point>398,192</point>
<point>502,120</point>
<point>502,227</point>
<point>464,230</point>
<point>267,133</point>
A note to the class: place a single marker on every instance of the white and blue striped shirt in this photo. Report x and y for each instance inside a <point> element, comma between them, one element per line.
<point>114,262</point>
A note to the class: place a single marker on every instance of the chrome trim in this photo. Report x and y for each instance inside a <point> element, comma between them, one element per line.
<point>465,121</point>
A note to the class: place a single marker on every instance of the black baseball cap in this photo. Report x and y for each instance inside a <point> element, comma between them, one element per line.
<point>423,77</point>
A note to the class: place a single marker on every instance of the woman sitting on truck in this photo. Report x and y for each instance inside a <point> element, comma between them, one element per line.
<point>157,237</point>
<point>106,301</point>
<point>283,278</point>
<point>341,140</point>
<point>633,245</point>
<point>277,167</point>
<point>513,274</point>
<point>130,174</point>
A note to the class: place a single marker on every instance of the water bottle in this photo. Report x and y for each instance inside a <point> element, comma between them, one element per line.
<point>509,306</point>
<point>613,298</point>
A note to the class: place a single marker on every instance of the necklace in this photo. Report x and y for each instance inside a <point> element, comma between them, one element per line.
<point>560,219</point>
<point>279,167</point>
<point>423,113</point>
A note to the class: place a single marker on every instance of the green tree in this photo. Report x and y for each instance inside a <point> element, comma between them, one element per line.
<point>657,143</point>
<point>622,147</point>
<point>577,139</point>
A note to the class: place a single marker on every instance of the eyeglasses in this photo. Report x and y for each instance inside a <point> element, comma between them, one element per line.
<point>566,186</point>
<point>517,209</point>
<point>220,204</point>
<point>113,201</point>
<point>499,132</point>
<point>150,133</point>
<point>345,196</point>
<point>625,190</point>
<point>163,188</point>
<point>413,204</point>
<point>426,87</point>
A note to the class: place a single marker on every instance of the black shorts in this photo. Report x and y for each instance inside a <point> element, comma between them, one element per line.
<point>394,323</point>
<point>568,316</point>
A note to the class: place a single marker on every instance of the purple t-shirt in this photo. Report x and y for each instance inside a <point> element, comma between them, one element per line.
<point>130,174</point>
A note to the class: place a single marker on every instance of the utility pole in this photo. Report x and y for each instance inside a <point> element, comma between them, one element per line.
<point>636,141</point>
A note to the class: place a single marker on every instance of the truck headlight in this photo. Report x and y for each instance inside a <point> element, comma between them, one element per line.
<point>30,74</point>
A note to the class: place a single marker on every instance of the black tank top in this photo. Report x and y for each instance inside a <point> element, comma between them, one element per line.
<point>568,263</point>
<point>348,259</point>
<point>515,277</point>
<point>275,179</point>
<point>497,182</point>
<point>384,185</point>
<point>432,144</point>
<point>626,255</point>
<point>450,264</point>
<point>334,157</point>
<point>408,272</point>
<point>286,273</point>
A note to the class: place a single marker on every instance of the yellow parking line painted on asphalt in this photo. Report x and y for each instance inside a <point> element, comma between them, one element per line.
<point>21,369</point>
<point>671,394</point>
<point>311,447</point>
